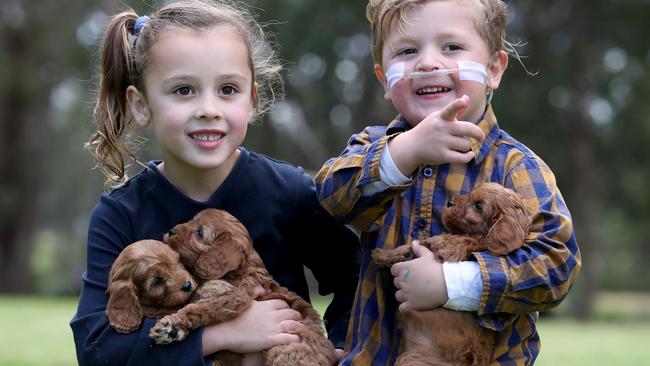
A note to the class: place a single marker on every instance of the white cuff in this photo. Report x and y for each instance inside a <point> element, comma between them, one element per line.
<point>389,175</point>
<point>464,285</point>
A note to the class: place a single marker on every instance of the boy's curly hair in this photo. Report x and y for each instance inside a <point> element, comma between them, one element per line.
<point>491,22</point>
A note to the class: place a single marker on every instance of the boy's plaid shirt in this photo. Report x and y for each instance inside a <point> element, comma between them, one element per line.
<point>515,287</point>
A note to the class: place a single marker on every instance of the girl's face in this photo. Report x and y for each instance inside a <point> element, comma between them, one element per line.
<point>437,36</point>
<point>198,97</point>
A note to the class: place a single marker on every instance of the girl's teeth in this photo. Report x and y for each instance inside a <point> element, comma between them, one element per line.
<point>207,137</point>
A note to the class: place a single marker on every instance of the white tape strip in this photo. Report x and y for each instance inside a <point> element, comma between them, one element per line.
<point>467,70</point>
<point>394,73</point>
<point>470,70</point>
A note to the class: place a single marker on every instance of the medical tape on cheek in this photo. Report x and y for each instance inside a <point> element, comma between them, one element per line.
<point>470,70</point>
<point>394,73</point>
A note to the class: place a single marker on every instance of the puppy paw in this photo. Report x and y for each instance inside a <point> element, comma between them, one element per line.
<point>388,257</point>
<point>165,332</point>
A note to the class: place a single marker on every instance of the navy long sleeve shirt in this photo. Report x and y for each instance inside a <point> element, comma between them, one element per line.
<point>274,200</point>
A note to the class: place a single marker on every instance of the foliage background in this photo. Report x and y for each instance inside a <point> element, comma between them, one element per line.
<point>586,112</point>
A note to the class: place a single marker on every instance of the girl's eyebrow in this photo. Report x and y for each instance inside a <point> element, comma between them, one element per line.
<point>233,76</point>
<point>188,78</point>
<point>177,78</point>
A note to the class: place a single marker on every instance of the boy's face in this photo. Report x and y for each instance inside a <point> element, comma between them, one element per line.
<point>436,36</point>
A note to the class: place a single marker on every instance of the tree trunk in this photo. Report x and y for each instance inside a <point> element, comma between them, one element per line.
<point>582,194</point>
<point>26,140</point>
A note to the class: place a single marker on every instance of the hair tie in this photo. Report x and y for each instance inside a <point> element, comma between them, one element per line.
<point>139,23</point>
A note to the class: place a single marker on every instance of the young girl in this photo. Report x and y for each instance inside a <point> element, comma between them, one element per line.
<point>439,62</point>
<point>198,73</point>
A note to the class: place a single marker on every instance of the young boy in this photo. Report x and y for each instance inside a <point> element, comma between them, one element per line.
<point>439,62</point>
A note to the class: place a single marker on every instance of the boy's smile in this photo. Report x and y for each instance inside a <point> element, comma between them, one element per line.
<point>436,36</point>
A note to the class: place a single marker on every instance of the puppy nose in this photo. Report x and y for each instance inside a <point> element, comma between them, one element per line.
<point>187,287</point>
<point>171,232</point>
<point>451,203</point>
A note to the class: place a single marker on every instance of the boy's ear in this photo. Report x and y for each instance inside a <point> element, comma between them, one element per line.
<point>139,107</point>
<point>497,66</point>
<point>379,73</point>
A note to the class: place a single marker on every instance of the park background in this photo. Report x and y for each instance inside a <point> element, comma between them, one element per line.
<point>586,112</point>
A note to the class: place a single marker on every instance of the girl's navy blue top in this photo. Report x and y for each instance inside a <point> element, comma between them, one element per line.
<point>274,200</point>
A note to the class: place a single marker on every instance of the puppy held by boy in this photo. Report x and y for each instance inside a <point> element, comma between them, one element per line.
<point>490,218</point>
<point>214,245</point>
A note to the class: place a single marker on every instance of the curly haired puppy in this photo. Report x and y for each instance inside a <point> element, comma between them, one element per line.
<point>216,246</point>
<point>146,279</point>
<point>490,218</point>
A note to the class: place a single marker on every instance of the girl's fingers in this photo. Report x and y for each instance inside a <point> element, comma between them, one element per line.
<point>290,326</point>
<point>289,315</point>
<point>284,338</point>
<point>277,304</point>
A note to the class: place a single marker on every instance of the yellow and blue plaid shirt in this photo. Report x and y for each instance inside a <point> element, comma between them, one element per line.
<point>536,277</point>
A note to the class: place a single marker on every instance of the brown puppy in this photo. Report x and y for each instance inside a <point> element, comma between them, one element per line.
<point>146,279</point>
<point>490,218</point>
<point>216,246</point>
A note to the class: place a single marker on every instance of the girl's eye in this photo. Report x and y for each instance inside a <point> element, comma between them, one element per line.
<point>184,90</point>
<point>228,90</point>
<point>478,206</point>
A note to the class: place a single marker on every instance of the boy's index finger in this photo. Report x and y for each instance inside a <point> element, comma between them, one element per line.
<point>454,109</point>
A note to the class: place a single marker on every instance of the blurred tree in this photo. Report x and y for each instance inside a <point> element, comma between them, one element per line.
<point>585,113</point>
<point>591,88</point>
<point>36,52</point>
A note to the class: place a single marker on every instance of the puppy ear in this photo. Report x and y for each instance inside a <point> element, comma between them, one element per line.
<point>223,256</point>
<point>511,227</point>
<point>123,309</point>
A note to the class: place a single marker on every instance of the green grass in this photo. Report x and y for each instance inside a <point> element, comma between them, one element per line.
<point>571,343</point>
<point>35,331</point>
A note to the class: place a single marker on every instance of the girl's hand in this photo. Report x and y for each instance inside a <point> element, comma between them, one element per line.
<point>439,138</point>
<point>263,325</point>
<point>420,281</point>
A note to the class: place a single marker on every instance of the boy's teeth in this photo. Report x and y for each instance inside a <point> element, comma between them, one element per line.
<point>432,90</point>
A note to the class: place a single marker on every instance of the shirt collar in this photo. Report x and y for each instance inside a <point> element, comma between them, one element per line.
<point>488,124</point>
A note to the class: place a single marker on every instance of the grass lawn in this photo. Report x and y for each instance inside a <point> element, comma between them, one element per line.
<point>36,332</point>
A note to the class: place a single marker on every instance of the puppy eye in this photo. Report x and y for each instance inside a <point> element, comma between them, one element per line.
<point>199,233</point>
<point>157,281</point>
<point>478,206</point>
